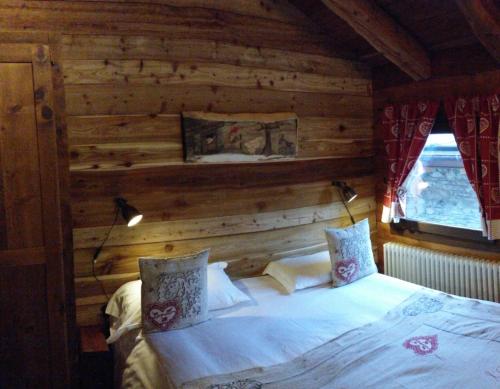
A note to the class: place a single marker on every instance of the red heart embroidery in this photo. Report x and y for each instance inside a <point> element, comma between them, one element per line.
<point>422,345</point>
<point>346,269</point>
<point>163,315</point>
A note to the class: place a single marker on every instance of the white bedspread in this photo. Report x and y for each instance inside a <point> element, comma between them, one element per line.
<point>432,340</point>
<point>274,328</point>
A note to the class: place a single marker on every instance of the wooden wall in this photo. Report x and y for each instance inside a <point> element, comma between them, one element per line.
<point>454,77</point>
<point>130,68</point>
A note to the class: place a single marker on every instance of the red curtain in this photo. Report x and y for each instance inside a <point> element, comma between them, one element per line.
<point>405,129</point>
<point>475,123</point>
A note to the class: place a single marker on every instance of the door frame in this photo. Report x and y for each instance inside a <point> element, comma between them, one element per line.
<point>56,253</point>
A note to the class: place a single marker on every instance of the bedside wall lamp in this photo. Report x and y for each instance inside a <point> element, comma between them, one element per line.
<point>129,213</point>
<point>347,194</point>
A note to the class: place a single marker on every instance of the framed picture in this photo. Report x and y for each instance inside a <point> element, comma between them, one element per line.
<point>242,137</point>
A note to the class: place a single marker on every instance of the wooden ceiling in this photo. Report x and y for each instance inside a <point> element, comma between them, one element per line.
<point>438,26</point>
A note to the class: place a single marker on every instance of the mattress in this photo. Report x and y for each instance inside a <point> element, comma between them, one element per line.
<point>274,327</point>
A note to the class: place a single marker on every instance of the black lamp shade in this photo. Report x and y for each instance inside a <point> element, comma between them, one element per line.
<point>347,192</point>
<point>130,214</point>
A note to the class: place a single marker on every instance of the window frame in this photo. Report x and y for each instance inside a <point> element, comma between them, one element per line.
<point>439,233</point>
<point>452,236</point>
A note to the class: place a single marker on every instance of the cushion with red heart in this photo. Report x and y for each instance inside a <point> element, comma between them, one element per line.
<point>350,253</point>
<point>173,292</point>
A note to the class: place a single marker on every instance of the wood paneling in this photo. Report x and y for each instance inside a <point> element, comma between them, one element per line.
<point>123,141</point>
<point>21,183</point>
<point>131,68</point>
<point>33,299</point>
<point>164,203</point>
<point>109,99</point>
<point>217,226</point>
<point>153,72</point>
<point>158,19</point>
<point>113,47</point>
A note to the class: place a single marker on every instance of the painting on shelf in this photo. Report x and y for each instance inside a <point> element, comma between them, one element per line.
<point>216,137</point>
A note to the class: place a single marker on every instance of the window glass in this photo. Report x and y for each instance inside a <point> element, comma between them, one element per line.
<point>438,190</point>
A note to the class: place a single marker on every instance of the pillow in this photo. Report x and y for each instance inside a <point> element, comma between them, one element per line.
<point>174,292</point>
<point>125,304</point>
<point>125,308</point>
<point>221,291</point>
<point>351,253</point>
<point>302,272</point>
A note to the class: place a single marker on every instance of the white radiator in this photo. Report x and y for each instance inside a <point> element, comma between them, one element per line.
<point>463,276</point>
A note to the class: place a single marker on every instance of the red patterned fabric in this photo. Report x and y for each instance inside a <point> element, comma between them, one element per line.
<point>406,128</point>
<point>475,122</point>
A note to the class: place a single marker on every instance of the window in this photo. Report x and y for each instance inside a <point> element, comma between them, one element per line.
<point>438,190</point>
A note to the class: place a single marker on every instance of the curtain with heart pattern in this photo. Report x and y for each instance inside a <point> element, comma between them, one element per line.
<point>475,123</point>
<point>405,130</point>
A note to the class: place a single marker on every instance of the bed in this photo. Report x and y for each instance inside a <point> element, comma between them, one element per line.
<point>349,337</point>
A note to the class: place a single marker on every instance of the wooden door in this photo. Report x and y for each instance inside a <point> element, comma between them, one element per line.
<point>33,325</point>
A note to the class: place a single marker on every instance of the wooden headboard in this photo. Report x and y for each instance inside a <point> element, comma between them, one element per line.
<point>247,223</point>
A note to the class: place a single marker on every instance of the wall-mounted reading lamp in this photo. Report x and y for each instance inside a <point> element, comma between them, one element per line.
<point>129,213</point>
<point>347,194</point>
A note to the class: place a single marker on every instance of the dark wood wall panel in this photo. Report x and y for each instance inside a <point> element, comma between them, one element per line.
<point>24,328</point>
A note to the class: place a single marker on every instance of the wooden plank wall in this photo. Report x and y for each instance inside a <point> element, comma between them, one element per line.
<point>473,83</point>
<point>130,68</point>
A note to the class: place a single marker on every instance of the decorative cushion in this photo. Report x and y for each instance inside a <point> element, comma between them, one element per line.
<point>301,272</point>
<point>350,252</point>
<point>221,291</point>
<point>174,292</point>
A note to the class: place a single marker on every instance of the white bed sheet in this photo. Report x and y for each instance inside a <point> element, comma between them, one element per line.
<point>273,328</point>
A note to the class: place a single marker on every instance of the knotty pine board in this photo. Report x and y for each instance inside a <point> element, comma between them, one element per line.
<point>123,141</point>
<point>124,47</point>
<point>154,72</point>
<point>164,204</point>
<point>106,17</point>
<point>163,231</point>
<point>112,99</point>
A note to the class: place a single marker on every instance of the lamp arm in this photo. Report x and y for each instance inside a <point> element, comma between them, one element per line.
<point>345,205</point>
<point>99,249</point>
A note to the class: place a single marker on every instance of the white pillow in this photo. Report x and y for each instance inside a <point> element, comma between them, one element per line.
<point>125,304</point>
<point>301,272</point>
<point>221,291</point>
<point>125,309</point>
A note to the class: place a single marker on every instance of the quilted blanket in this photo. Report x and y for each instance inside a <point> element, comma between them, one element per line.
<point>431,340</point>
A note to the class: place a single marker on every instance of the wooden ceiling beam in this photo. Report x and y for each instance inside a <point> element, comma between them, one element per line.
<point>484,19</point>
<point>384,34</point>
